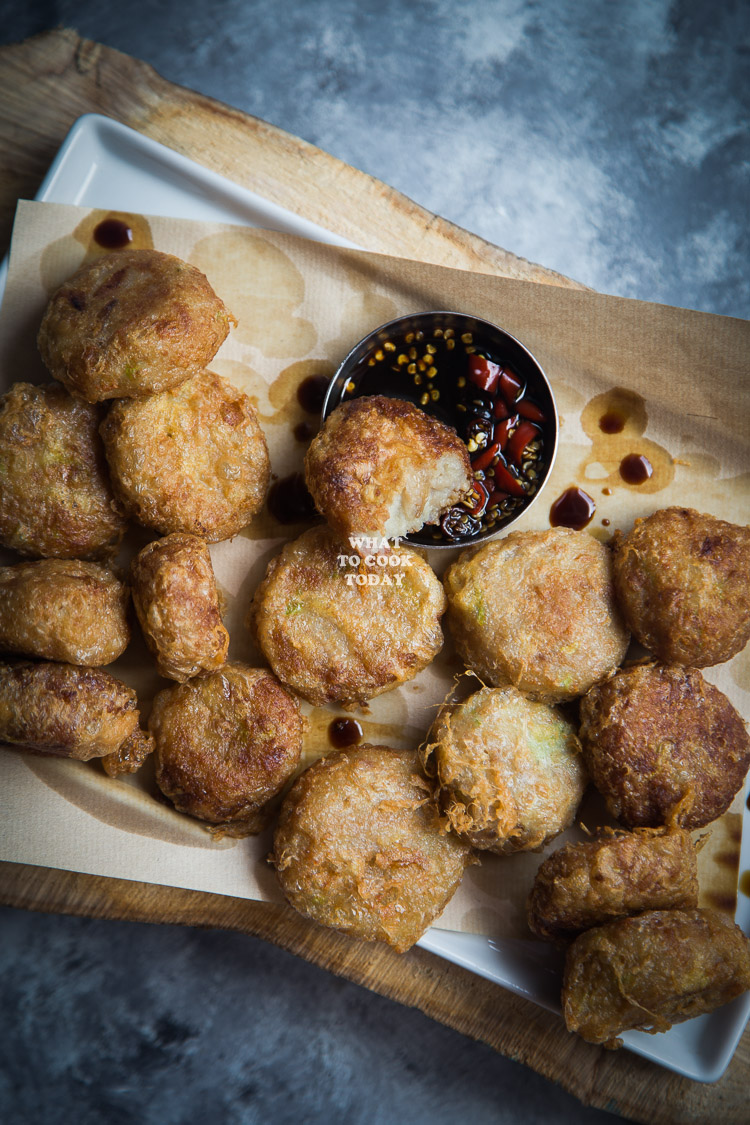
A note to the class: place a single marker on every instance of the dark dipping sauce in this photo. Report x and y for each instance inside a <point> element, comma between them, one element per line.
<point>113,234</point>
<point>344,732</point>
<point>489,390</point>
<point>290,502</point>
<point>574,508</point>
<point>635,468</point>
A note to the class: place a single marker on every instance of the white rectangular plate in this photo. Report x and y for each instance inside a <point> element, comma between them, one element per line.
<point>105,165</point>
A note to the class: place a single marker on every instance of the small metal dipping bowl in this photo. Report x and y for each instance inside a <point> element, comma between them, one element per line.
<point>388,378</point>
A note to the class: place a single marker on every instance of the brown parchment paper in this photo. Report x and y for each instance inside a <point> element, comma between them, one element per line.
<point>683,378</point>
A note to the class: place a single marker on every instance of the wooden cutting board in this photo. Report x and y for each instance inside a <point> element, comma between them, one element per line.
<point>45,84</point>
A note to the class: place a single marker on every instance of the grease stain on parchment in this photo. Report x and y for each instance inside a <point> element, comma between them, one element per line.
<point>262,287</point>
<point>602,463</point>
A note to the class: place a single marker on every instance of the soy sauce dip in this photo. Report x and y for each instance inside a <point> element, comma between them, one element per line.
<point>475,377</point>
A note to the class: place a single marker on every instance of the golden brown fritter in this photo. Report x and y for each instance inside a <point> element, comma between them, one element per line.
<point>56,500</point>
<point>683,583</point>
<point>226,743</point>
<point>663,746</point>
<point>509,770</point>
<point>129,757</point>
<point>131,323</point>
<point>65,710</point>
<point>63,609</point>
<point>359,847</point>
<point>177,603</point>
<point>192,459</point>
<point>382,467</point>
<point>335,641</point>
<point>652,971</point>
<point>537,610</point>
<point>616,874</point>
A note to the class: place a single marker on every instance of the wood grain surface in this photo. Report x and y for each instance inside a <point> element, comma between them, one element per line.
<point>45,84</point>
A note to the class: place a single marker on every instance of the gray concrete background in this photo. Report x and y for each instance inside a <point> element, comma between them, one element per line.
<point>606,140</point>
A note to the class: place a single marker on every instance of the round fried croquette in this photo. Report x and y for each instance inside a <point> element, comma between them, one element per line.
<point>56,500</point>
<point>359,847</point>
<point>192,459</point>
<point>65,610</point>
<point>652,971</point>
<point>663,746</point>
<point>130,756</point>
<point>508,769</point>
<point>335,641</point>
<point>537,610</point>
<point>617,873</point>
<point>177,603</point>
<point>131,323</point>
<point>381,467</point>
<point>226,743</point>
<point>683,583</point>
<point>65,710</point>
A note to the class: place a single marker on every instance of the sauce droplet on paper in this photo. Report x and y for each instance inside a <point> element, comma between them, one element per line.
<point>113,234</point>
<point>344,732</point>
<point>635,468</point>
<point>290,502</point>
<point>745,883</point>
<point>311,392</point>
<point>574,508</point>
<point>612,422</point>
<point>303,431</point>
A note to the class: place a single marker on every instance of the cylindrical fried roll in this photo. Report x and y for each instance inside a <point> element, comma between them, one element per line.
<point>617,874</point>
<point>651,971</point>
<point>65,710</point>
<point>177,603</point>
<point>131,755</point>
<point>65,610</point>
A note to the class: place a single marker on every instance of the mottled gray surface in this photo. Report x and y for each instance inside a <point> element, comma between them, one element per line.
<point>607,140</point>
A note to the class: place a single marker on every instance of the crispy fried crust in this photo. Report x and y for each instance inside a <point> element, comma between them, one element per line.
<point>192,459</point>
<point>382,467</point>
<point>65,710</point>
<point>334,642</point>
<point>131,323</point>
<point>359,848</point>
<point>177,603</point>
<point>226,743</point>
<point>652,971</point>
<point>537,610</point>
<point>662,745</point>
<point>56,500</point>
<point>683,582</point>
<point>129,757</point>
<point>618,873</point>
<point>66,610</point>
<point>509,770</point>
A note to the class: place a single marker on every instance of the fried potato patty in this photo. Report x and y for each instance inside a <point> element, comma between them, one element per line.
<point>537,610</point>
<point>193,459</point>
<point>177,603</point>
<point>652,971</point>
<point>509,770</point>
<point>226,743</point>
<point>56,500</point>
<point>63,609</point>
<point>131,323</point>
<point>382,467</point>
<point>683,583</point>
<point>130,756</point>
<point>662,745</point>
<point>65,710</point>
<point>616,874</point>
<point>359,847</point>
<point>336,641</point>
